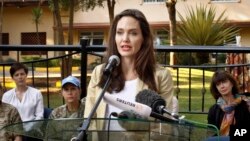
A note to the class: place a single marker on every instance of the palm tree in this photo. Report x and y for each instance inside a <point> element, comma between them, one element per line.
<point>37,13</point>
<point>200,27</point>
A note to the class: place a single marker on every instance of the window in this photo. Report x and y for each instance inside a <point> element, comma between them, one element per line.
<point>153,1</point>
<point>234,42</point>
<point>5,40</point>
<point>31,38</point>
<point>225,0</point>
<point>161,37</point>
<point>95,38</point>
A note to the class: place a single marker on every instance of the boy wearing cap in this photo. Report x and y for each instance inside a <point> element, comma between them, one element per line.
<point>73,107</point>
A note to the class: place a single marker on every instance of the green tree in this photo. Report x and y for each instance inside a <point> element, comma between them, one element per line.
<point>69,6</point>
<point>200,27</point>
<point>37,13</point>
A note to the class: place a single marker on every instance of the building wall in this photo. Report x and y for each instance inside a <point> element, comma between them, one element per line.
<point>157,12</point>
<point>245,36</point>
<point>17,20</point>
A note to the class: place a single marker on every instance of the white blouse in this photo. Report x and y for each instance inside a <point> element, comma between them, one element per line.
<point>31,107</point>
<point>128,93</point>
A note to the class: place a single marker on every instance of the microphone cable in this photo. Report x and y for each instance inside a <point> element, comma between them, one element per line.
<point>109,119</point>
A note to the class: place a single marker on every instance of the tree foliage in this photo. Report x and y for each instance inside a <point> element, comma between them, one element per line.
<point>37,13</point>
<point>69,6</point>
<point>200,27</point>
<point>36,17</point>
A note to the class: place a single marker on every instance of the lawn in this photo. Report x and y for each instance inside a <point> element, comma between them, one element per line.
<point>194,94</point>
<point>191,90</point>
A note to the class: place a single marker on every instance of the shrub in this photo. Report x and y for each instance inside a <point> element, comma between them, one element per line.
<point>51,63</point>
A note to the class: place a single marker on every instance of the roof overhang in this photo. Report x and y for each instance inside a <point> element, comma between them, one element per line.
<point>154,25</point>
<point>24,3</point>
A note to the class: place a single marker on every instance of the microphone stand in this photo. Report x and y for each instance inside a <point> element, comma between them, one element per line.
<point>82,136</point>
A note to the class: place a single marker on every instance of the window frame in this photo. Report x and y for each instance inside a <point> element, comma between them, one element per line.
<point>5,41</point>
<point>94,35</point>
<point>26,40</point>
<point>225,1</point>
<point>162,35</point>
<point>153,1</point>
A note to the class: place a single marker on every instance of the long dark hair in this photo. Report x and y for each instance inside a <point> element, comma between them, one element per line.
<point>220,76</point>
<point>145,60</point>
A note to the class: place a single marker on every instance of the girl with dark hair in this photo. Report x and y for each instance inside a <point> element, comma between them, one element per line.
<point>231,108</point>
<point>130,39</point>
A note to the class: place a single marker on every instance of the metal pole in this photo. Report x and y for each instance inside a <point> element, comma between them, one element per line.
<point>84,60</point>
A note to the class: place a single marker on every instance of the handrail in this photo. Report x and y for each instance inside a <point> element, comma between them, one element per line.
<point>97,50</point>
<point>101,48</point>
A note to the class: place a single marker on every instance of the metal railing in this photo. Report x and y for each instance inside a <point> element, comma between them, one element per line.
<point>187,97</point>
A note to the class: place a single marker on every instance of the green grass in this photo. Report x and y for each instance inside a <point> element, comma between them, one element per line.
<point>55,100</point>
<point>195,93</point>
<point>183,96</point>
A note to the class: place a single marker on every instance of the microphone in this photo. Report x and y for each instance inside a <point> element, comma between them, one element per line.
<point>127,105</point>
<point>129,115</point>
<point>112,63</point>
<point>130,120</point>
<point>139,108</point>
<point>155,101</point>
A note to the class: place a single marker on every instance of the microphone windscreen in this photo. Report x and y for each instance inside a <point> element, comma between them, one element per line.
<point>132,121</point>
<point>150,98</point>
<point>114,114</point>
<point>129,115</point>
<point>116,58</point>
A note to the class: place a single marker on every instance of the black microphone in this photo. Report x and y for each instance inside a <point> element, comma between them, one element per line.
<point>155,101</point>
<point>112,63</point>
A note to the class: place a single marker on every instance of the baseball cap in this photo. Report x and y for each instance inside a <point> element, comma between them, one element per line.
<point>71,79</point>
